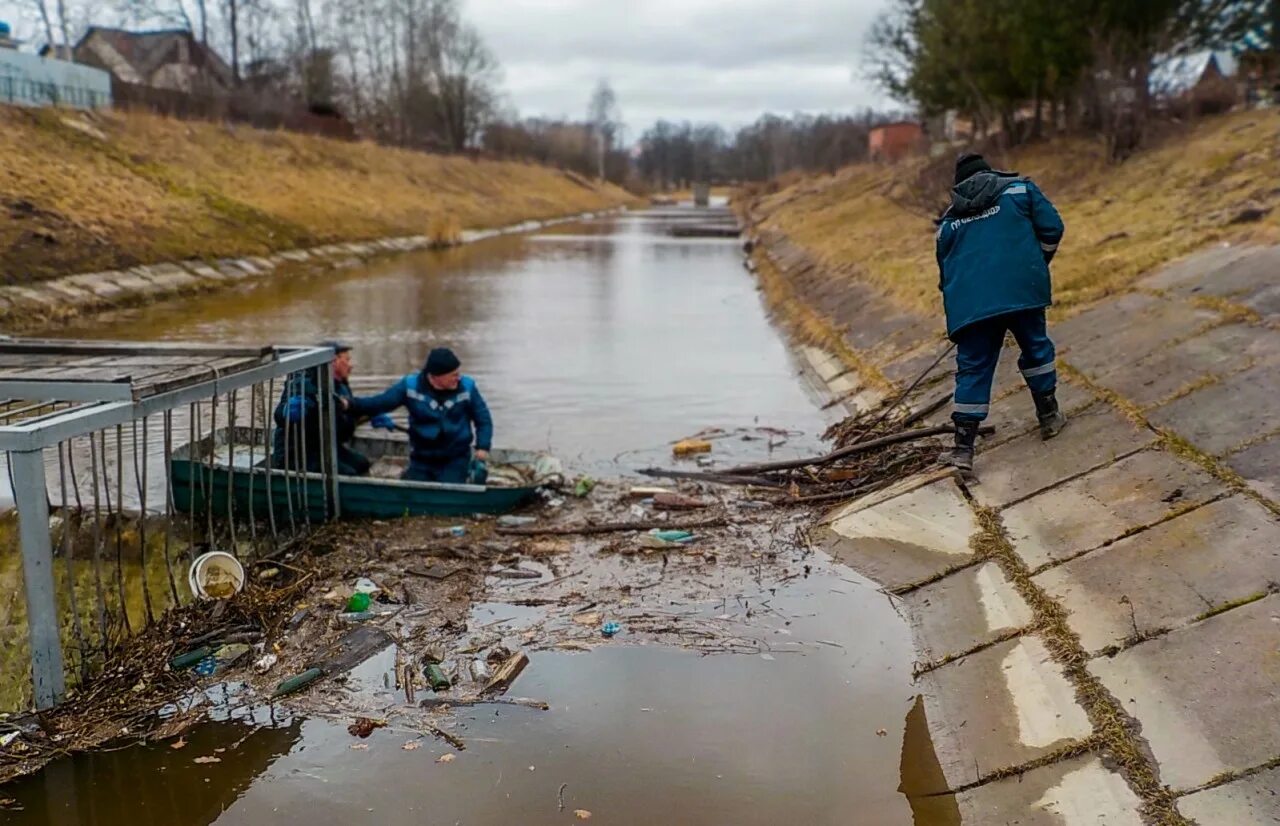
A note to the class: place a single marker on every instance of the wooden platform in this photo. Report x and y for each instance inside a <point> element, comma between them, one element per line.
<point>73,370</point>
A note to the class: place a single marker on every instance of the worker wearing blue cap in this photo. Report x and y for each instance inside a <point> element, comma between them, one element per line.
<point>299,408</point>
<point>447,419</point>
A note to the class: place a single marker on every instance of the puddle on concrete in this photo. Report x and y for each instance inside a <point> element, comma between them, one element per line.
<point>923,782</point>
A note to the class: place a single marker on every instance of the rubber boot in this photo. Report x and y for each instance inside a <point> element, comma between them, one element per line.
<point>961,456</point>
<point>1052,420</point>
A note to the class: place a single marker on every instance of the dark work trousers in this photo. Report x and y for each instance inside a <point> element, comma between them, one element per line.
<point>978,352</point>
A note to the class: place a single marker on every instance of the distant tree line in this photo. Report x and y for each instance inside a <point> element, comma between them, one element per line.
<point>1017,65</point>
<point>676,154</point>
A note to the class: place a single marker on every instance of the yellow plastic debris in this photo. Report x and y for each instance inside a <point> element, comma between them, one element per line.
<point>689,447</point>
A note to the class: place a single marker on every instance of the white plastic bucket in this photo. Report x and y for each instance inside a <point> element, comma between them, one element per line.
<point>216,575</point>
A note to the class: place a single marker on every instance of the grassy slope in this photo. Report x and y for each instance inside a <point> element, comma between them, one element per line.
<point>1169,200</point>
<point>81,193</point>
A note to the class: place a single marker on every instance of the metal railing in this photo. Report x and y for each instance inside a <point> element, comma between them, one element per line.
<point>115,498</point>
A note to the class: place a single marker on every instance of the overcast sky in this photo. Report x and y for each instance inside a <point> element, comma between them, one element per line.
<point>725,61</point>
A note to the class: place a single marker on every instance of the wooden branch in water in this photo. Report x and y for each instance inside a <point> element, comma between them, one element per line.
<point>610,527</point>
<point>458,702</point>
<point>719,478</point>
<point>851,450</point>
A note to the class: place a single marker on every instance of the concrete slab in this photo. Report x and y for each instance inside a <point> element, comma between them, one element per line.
<point>1241,279</point>
<point>1218,352</point>
<point>1104,505</point>
<point>1226,415</point>
<point>1025,466</point>
<point>1169,575</point>
<point>1003,706</point>
<point>1250,801</point>
<point>206,272</point>
<point>231,269</point>
<point>1078,792</point>
<point>1189,272</point>
<point>844,385</point>
<point>101,284</point>
<point>1138,335</point>
<point>1015,414</point>
<point>70,293</point>
<point>907,538</point>
<point>167,277</point>
<point>1093,323</point>
<point>963,611</point>
<point>1265,302</point>
<point>31,297</point>
<point>296,255</point>
<point>132,282</point>
<point>1260,467</point>
<point>1207,696</point>
<point>826,365</point>
<point>264,265</point>
<point>907,367</point>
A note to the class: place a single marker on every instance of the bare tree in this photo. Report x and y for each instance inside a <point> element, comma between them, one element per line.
<point>605,120</point>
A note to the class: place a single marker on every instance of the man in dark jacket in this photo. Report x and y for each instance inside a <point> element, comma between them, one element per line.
<point>994,246</point>
<point>446,414</point>
<point>298,413</point>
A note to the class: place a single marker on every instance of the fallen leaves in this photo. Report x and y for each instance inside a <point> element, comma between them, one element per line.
<point>364,726</point>
<point>412,745</point>
<point>207,759</point>
<point>180,743</point>
<point>881,733</point>
<point>446,758</point>
<point>582,814</point>
<point>359,746</point>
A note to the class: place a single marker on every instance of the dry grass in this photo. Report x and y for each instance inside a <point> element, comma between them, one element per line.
<point>84,192</point>
<point>1122,221</point>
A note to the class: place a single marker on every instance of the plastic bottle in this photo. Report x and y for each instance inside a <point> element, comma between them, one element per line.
<point>436,678</point>
<point>298,681</point>
<point>358,602</point>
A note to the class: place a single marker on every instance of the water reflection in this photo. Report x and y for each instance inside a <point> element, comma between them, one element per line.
<point>154,784</point>
<point>596,339</point>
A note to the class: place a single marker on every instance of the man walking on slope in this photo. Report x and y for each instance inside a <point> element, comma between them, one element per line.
<point>995,243</point>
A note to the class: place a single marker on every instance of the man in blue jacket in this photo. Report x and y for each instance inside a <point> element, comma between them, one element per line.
<point>446,413</point>
<point>995,243</point>
<point>298,413</point>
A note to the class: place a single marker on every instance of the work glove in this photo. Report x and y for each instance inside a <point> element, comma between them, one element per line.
<point>383,422</point>
<point>478,473</point>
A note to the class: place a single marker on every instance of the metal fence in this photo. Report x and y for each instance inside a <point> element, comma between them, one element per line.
<point>116,496</point>
<point>27,91</point>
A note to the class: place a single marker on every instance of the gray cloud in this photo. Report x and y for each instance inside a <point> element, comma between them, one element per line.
<point>725,61</point>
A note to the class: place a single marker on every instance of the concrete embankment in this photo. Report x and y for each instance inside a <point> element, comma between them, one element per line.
<point>110,191</point>
<point>1096,616</point>
<point>35,306</point>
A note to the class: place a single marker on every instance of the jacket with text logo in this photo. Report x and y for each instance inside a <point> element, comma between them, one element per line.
<point>440,422</point>
<point>994,245</point>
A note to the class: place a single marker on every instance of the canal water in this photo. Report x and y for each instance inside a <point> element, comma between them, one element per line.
<point>603,341</point>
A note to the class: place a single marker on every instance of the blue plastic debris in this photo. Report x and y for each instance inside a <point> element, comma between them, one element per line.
<point>610,628</point>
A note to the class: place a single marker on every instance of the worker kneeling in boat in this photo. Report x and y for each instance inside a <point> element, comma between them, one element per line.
<point>446,414</point>
<point>298,417</point>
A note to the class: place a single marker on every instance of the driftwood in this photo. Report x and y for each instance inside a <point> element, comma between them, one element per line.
<point>506,673</point>
<point>723,477</point>
<point>851,450</point>
<point>458,702</point>
<point>610,527</point>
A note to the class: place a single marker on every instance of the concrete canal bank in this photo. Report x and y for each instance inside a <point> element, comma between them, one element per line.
<point>1096,618</point>
<point>32,306</point>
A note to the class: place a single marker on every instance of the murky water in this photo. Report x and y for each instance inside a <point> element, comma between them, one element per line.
<point>603,341</point>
